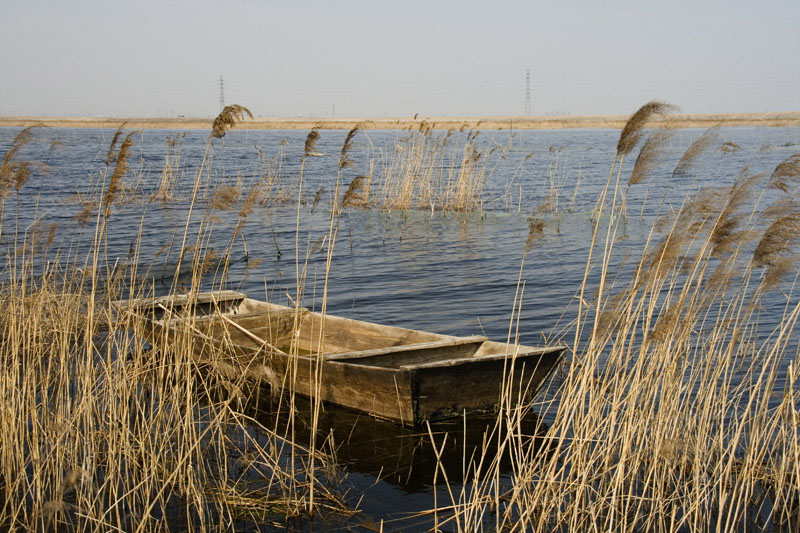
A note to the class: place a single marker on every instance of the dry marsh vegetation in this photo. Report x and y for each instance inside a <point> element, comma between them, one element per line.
<point>670,416</point>
<point>433,171</point>
<point>99,435</point>
<point>677,411</point>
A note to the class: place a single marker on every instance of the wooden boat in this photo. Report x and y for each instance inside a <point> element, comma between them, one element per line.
<point>404,375</point>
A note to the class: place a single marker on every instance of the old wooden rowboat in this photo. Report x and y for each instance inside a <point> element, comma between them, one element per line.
<point>400,374</point>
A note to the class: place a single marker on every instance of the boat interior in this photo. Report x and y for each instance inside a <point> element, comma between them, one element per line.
<point>229,316</point>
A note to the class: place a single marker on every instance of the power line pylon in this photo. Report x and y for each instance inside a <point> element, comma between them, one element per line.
<point>528,92</point>
<point>221,93</point>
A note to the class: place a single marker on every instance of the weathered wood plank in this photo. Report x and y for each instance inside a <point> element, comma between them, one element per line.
<point>395,373</point>
<point>523,354</point>
<point>443,391</point>
<point>348,335</point>
<point>412,354</point>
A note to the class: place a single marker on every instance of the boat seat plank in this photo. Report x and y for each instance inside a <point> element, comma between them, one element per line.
<point>519,358</point>
<point>180,300</point>
<point>395,356</point>
<point>344,335</point>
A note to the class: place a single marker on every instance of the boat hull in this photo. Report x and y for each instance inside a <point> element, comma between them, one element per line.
<point>403,375</point>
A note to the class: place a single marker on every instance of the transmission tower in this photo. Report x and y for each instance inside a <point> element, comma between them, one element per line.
<point>221,93</point>
<point>528,92</point>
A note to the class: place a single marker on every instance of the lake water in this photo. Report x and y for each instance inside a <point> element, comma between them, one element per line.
<point>447,272</point>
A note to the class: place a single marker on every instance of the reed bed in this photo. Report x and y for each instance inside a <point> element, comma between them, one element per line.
<point>677,411</point>
<point>103,431</point>
<point>427,170</point>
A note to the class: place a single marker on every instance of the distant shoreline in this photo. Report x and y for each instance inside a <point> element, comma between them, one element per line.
<point>441,123</point>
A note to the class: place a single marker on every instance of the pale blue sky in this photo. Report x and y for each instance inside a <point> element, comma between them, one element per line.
<point>148,58</point>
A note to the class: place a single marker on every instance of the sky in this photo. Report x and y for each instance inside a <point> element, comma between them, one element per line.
<point>362,58</point>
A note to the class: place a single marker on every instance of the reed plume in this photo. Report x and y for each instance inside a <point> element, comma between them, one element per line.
<point>781,207</point>
<point>311,141</point>
<point>726,234</point>
<point>730,146</point>
<point>778,240</point>
<point>344,159</point>
<point>633,130</point>
<point>317,198</point>
<point>120,169</point>
<point>649,156</point>
<point>83,216</point>
<point>775,249</point>
<point>111,155</point>
<point>55,146</point>
<point>695,150</point>
<point>228,118</point>
<point>357,194</point>
<point>786,172</point>
<point>254,194</point>
<point>14,173</point>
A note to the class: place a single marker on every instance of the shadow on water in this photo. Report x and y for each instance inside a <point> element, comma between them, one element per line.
<point>406,457</point>
<point>391,476</point>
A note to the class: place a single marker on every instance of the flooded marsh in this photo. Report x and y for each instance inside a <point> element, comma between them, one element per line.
<point>665,260</point>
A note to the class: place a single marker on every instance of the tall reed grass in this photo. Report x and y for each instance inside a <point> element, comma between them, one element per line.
<point>678,411</point>
<point>105,432</point>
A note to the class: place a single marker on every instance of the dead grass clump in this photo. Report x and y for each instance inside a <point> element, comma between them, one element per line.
<point>429,171</point>
<point>224,197</point>
<point>170,171</point>
<point>104,432</point>
<point>666,418</point>
<point>536,228</point>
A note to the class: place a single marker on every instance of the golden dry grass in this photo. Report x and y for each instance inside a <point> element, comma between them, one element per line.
<point>401,123</point>
<point>667,417</point>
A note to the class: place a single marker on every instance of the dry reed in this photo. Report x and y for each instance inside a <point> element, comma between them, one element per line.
<point>634,128</point>
<point>227,119</point>
<point>115,184</point>
<point>695,150</point>
<point>668,418</point>
<point>649,156</point>
<point>15,171</point>
<point>672,415</point>
<point>98,433</point>
<point>785,173</point>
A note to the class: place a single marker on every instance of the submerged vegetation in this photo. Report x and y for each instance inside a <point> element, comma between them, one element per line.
<point>678,409</point>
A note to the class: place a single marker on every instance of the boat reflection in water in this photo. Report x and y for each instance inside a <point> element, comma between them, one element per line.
<point>407,457</point>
